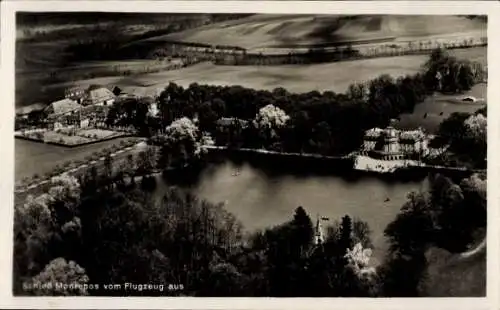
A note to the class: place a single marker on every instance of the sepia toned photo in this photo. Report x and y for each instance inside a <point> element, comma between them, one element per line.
<point>250,155</point>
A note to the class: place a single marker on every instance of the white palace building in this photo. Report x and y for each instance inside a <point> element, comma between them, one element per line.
<point>392,144</point>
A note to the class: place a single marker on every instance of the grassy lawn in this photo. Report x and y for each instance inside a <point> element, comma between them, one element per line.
<point>96,133</point>
<point>39,158</point>
<point>55,137</point>
<point>444,104</point>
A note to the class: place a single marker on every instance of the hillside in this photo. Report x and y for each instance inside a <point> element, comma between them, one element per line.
<point>49,45</point>
<point>259,31</point>
<point>53,49</point>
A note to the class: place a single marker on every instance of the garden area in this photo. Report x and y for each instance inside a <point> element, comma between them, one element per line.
<point>70,136</point>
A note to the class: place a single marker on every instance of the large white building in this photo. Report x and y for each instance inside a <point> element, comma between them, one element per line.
<point>393,144</point>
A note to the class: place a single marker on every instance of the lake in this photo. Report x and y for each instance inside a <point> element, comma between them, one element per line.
<point>263,197</point>
<point>266,193</point>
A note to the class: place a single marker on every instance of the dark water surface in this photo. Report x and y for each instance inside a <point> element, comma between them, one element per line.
<point>266,192</point>
<point>262,198</point>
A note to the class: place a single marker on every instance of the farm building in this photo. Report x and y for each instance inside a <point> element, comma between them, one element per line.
<point>62,107</point>
<point>393,144</point>
<point>77,119</point>
<point>97,95</point>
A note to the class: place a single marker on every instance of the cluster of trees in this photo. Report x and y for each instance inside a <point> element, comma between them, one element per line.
<point>465,136</point>
<point>325,123</point>
<point>321,54</point>
<point>313,55</point>
<point>448,74</point>
<point>449,216</point>
<point>133,112</point>
<point>181,143</point>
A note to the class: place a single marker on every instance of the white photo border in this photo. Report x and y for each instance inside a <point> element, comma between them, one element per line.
<point>7,39</point>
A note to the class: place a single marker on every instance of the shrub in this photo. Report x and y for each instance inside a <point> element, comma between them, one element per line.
<point>95,136</point>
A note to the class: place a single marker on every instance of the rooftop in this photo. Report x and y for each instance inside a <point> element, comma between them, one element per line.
<point>62,106</point>
<point>374,132</point>
<point>96,95</point>
<point>412,134</point>
<point>402,134</point>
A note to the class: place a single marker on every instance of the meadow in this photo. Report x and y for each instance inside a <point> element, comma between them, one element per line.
<point>430,113</point>
<point>39,158</point>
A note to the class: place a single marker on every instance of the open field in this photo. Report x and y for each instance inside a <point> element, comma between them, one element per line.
<point>296,78</point>
<point>446,104</point>
<point>260,31</point>
<point>39,158</point>
<point>42,58</point>
<point>43,39</point>
<point>37,68</point>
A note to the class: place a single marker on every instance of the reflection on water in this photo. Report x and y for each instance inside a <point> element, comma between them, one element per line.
<point>263,197</point>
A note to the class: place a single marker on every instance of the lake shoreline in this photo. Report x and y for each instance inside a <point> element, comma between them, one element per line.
<point>344,165</point>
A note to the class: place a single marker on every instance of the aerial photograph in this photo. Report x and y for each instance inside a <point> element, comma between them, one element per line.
<point>250,155</point>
